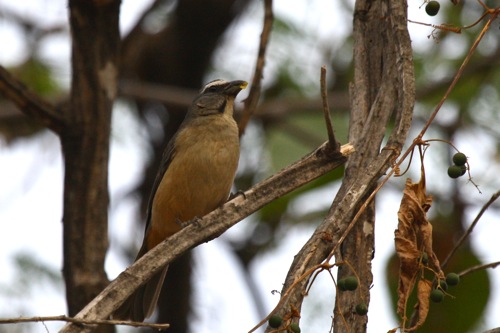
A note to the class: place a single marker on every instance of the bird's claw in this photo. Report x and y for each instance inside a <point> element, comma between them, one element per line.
<point>196,221</point>
<point>234,195</point>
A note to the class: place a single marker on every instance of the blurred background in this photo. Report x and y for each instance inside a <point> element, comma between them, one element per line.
<point>170,48</point>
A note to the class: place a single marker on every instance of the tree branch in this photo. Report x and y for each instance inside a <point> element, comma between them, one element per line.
<point>30,103</point>
<point>326,109</point>
<point>312,166</point>
<point>143,90</point>
<point>159,327</point>
<point>383,87</point>
<point>254,95</point>
<point>470,229</point>
<point>270,110</point>
<point>479,268</point>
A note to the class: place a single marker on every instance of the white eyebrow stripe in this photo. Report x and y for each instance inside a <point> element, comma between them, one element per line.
<point>217,82</point>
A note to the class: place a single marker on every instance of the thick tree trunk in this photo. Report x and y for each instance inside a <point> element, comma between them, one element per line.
<point>85,145</point>
<point>383,88</point>
<point>376,49</point>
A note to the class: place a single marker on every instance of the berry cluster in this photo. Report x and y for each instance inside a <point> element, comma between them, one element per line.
<point>458,168</point>
<point>437,294</point>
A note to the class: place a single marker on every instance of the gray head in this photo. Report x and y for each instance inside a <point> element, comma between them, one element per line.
<point>216,97</point>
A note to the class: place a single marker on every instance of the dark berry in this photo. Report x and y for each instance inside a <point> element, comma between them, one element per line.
<point>424,258</point>
<point>361,309</point>
<point>275,321</point>
<point>443,285</point>
<point>459,159</point>
<point>456,171</point>
<point>432,8</point>
<point>295,328</point>
<point>341,284</point>
<point>351,283</point>
<point>437,295</point>
<point>452,279</point>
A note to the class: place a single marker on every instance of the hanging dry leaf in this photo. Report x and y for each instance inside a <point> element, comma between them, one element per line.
<point>424,288</point>
<point>413,238</point>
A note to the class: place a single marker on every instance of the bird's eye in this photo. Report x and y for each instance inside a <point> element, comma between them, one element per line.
<point>212,89</point>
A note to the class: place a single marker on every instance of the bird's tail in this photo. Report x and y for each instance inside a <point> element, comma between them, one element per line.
<point>142,303</point>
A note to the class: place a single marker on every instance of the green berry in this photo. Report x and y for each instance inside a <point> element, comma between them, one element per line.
<point>361,309</point>
<point>437,295</point>
<point>459,159</point>
<point>452,279</point>
<point>341,284</point>
<point>295,328</point>
<point>424,258</point>
<point>464,169</point>
<point>432,8</point>
<point>456,171</point>
<point>351,283</point>
<point>443,285</point>
<point>275,321</point>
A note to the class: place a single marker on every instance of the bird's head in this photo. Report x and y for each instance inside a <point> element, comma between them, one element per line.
<point>217,97</point>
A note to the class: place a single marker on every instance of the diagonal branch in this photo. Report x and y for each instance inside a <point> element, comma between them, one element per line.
<point>312,166</point>
<point>30,103</point>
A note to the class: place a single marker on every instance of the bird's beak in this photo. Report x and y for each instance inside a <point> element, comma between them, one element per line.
<point>235,87</point>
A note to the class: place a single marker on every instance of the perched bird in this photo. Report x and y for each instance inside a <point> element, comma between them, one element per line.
<point>195,177</point>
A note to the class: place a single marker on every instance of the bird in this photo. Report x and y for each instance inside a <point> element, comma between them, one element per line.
<point>194,178</point>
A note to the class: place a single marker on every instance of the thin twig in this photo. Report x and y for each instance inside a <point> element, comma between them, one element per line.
<point>471,228</point>
<point>29,103</point>
<point>326,110</point>
<point>284,296</point>
<point>160,327</point>
<point>458,75</point>
<point>254,94</point>
<point>441,27</point>
<point>418,139</point>
<point>478,268</point>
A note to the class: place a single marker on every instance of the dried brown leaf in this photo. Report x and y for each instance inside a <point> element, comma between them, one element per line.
<point>424,289</point>
<point>408,238</point>
<point>408,261</point>
<point>412,238</point>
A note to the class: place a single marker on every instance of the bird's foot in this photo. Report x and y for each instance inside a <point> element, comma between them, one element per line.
<point>234,195</point>
<point>196,221</point>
